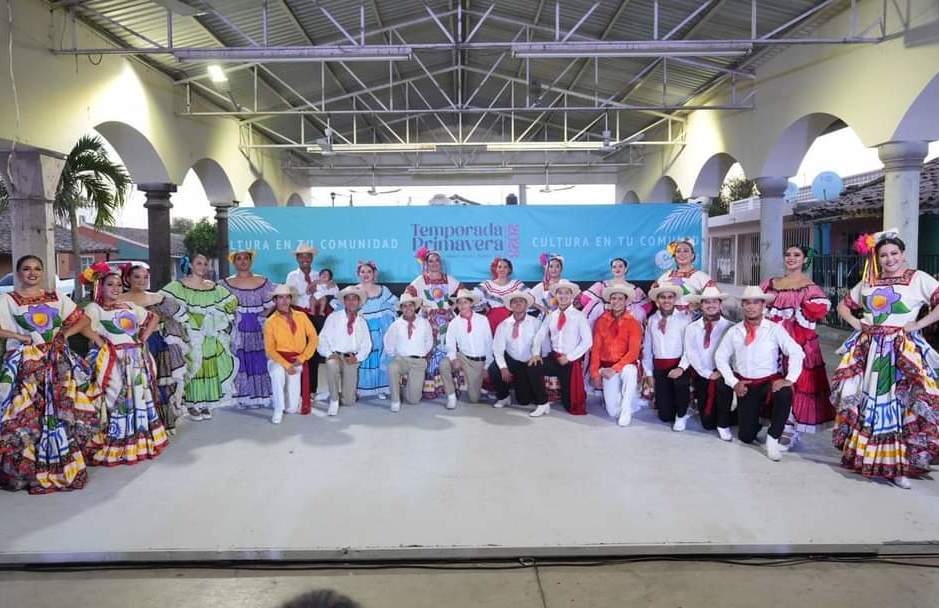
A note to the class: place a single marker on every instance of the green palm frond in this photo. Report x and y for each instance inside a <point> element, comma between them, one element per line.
<point>91,180</point>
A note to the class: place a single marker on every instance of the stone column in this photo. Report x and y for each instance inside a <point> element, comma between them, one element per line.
<point>221,229</point>
<point>903,165</point>
<point>772,206</point>
<point>158,232</point>
<point>31,177</point>
<point>704,250</point>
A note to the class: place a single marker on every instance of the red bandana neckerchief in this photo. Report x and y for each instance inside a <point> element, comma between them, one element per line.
<point>663,323</point>
<point>350,316</point>
<point>708,326</point>
<point>469,321</point>
<point>751,331</point>
<point>288,316</point>
<point>410,327</point>
<point>516,328</point>
<point>562,319</point>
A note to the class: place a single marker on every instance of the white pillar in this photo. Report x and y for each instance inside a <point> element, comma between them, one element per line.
<point>31,177</point>
<point>772,207</point>
<point>522,194</point>
<point>903,165</point>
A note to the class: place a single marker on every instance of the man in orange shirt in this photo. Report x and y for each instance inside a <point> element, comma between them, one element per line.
<point>617,338</point>
<point>289,340</point>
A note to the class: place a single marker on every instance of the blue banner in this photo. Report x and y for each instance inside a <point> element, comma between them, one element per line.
<point>468,238</point>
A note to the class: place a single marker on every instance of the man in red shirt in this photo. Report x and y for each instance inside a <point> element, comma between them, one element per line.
<point>617,338</point>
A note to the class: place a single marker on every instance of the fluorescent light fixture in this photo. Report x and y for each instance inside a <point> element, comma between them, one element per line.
<point>374,148</point>
<point>459,170</point>
<point>295,53</point>
<point>545,146</point>
<point>638,48</point>
<point>216,73</point>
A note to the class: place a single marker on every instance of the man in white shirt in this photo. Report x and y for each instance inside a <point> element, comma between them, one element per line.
<point>344,342</point>
<point>570,338</point>
<point>663,345</point>
<point>712,395</point>
<point>408,341</point>
<point>304,281</point>
<point>469,345</point>
<point>755,346</point>
<point>512,366</point>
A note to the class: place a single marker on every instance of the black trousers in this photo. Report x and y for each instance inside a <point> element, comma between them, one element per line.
<point>527,380</point>
<point>720,416</point>
<point>314,361</point>
<point>563,373</point>
<point>750,405</point>
<point>671,396</point>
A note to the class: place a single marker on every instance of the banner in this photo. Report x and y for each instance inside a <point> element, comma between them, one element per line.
<point>468,238</point>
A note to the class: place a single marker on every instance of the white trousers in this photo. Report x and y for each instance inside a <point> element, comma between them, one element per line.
<point>283,383</point>
<point>622,390</point>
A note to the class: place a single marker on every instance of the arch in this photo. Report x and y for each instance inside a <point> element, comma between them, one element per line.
<point>712,174</point>
<point>919,122</point>
<point>215,182</point>
<point>664,191</point>
<point>262,194</point>
<point>630,197</point>
<point>295,201</point>
<point>787,153</point>
<point>141,159</point>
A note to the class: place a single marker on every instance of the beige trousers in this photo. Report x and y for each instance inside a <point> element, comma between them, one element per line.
<point>472,371</point>
<point>343,380</point>
<point>413,370</point>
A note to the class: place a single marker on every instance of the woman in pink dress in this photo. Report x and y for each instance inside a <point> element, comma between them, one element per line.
<point>798,306</point>
<point>592,299</point>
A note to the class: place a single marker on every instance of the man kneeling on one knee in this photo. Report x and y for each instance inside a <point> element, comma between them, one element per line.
<point>408,341</point>
<point>469,344</point>
<point>289,341</point>
<point>662,349</point>
<point>512,352</point>
<point>617,338</point>
<point>344,342</point>
<point>749,360</point>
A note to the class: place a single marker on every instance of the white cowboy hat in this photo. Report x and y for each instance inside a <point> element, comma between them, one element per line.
<point>353,290</point>
<point>407,298</point>
<point>465,294</point>
<point>304,248</point>
<point>710,293</point>
<point>753,292</point>
<point>565,284</point>
<point>232,254</point>
<point>627,290</point>
<point>507,299</point>
<point>284,290</point>
<point>664,287</point>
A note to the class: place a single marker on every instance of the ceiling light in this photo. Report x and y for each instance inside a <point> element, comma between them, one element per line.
<point>370,148</point>
<point>295,53</point>
<point>638,48</point>
<point>216,73</point>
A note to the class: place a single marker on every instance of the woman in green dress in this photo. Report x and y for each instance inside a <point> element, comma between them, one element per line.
<point>210,313</point>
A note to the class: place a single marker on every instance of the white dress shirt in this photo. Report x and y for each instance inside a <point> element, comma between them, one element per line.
<point>761,358</point>
<point>695,355</point>
<point>519,348</point>
<point>397,343</point>
<point>296,280</point>
<point>477,343</point>
<point>668,345</point>
<point>335,337</point>
<point>573,340</point>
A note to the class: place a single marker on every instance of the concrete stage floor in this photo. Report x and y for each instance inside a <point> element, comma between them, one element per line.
<point>470,483</point>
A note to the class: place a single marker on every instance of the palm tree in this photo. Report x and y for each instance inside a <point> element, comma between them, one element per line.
<point>89,180</point>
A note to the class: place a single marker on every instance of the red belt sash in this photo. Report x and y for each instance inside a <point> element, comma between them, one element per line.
<point>665,364</point>
<point>757,382</point>
<point>711,395</point>
<point>578,396</point>
<point>306,405</point>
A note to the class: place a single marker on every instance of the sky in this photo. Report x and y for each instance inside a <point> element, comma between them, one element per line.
<point>840,151</point>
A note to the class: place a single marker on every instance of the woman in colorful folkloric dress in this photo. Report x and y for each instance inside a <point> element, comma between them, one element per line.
<point>168,346</point>
<point>592,299</point>
<point>209,313</point>
<point>254,294</point>
<point>124,373</point>
<point>798,306</point>
<point>545,302</point>
<point>885,389</point>
<point>48,424</point>
<point>435,287</point>
<point>685,275</point>
<point>492,292</point>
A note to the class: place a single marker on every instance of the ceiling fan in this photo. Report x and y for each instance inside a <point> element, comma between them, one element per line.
<point>372,191</point>
<point>547,184</point>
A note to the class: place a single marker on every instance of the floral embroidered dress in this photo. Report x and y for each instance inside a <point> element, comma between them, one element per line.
<point>544,298</point>
<point>690,281</point>
<point>48,423</point>
<point>594,306</point>
<point>125,386</point>
<point>885,388</point>
<point>169,346</point>
<point>491,294</point>
<point>436,294</point>
<point>798,310</point>
<point>212,367</point>
<point>253,382</point>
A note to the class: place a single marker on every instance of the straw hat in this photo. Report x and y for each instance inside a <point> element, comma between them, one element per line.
<point>626,290</point>
<point>353,290</point>
<point>665,287</point>
<point>304,248</point>
<point>754,292</point>
<point>710,293</point>
<point>465,294</point>
<point>251,252</point>
<point>284,290</point>
<point>507,300</point>
<point>565,284</point>
<point>417,301</point>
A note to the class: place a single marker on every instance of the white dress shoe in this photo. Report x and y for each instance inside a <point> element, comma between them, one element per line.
<point>333,408</point>
<point>503,402</point>
<point>542,410</point>
<point>680,423</point>
<point>321,396</point>
<point>382,396</point>
<point>277,418</point>
<point>724,434</point>
<point>395,406</point>
<point>625,417</point>
<point>902,482</point>
<point>451,402</point>
<point>772,449</point>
